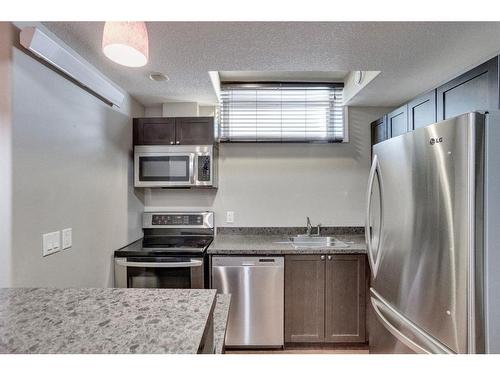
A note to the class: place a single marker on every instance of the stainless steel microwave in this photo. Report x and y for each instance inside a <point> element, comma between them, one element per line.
<point>175,166</point>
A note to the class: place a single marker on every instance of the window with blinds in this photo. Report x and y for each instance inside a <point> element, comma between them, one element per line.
<point>281,113</point>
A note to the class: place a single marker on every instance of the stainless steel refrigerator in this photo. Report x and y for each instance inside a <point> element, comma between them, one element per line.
<point>433,239</point>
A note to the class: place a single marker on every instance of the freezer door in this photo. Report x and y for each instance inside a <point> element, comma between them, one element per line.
<point>422,264</point>
<point>401,336</point>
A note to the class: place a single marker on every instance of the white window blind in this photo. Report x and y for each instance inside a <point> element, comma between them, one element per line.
<point>281,113</point>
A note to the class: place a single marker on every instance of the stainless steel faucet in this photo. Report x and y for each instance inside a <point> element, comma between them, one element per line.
<point>309,228</point>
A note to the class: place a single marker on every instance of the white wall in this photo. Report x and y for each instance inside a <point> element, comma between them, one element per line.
<point>180,109</point>
<point>207,110</point>
<point>72,168</point>
<point>281,184</point>
<point>154,111</point>
<point>5,154</point>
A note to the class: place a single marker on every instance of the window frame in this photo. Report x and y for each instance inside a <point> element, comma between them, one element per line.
<point>275,85</point>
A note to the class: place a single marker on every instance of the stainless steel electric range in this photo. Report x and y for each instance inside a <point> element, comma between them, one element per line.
<point>172,253</point>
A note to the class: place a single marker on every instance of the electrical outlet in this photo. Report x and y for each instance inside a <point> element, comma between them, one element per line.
<point>229,216</point>
<point>51,243</point>
<point>67,240</point>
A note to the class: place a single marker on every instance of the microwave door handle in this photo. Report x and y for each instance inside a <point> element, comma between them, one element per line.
<point>192,169</point>
<point>192,263</point>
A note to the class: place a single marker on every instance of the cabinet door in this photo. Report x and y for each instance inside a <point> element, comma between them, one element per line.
<point>476,90</point>
<point>154,131</point>
<point>194,130</point>
<point>379,130</point>
<point>304,298</point>
<point>422,111</point>
<point>397,121</point>
<point>345,306</point>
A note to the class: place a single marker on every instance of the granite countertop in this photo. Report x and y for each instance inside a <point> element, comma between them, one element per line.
<point>272,244</point>
<point>103,320</point>
<point>221,314</point>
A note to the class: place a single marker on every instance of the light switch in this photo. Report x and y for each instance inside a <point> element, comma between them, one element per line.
<point>229,216</point>
<point>47,244</point>
<point>51,243</point>
<point>67,240</point>
<point>56,241</point>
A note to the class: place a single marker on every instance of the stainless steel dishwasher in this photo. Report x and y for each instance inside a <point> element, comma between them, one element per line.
<point>256,285</point>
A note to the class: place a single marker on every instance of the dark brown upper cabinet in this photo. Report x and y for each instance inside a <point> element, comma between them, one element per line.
<point>397,121</point>
<point>476,90</point>
<point>422,111</point>
<point>379,130</point>
<point>154,131</point>
<point>325,298</point>
<point>194,130</point>
<point>174,131</point>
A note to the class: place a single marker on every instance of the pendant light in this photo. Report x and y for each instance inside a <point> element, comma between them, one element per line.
<point>126,43</point>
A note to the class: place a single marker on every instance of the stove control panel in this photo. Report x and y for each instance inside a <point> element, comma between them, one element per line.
<point>167,219</point>
<point>178,220</point>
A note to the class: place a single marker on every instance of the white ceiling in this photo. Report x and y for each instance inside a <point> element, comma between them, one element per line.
<point>413,56</point>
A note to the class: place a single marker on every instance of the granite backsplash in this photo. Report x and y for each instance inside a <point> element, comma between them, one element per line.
<point>289,231</point>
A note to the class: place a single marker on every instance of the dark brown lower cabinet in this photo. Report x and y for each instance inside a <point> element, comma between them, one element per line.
<point>345,315</point>
<point>304,298</point>
<point>325,298</point>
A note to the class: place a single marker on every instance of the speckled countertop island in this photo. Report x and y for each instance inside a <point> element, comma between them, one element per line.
<point>104,320</point>
<point>271,242</point>
<point>221,315</point>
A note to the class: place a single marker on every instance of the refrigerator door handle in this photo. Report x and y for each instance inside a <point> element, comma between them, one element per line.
<point>373,258</point>
<point>388,316</point>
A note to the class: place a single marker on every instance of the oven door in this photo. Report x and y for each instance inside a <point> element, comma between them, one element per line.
<point>160,169</point>
<point>160,272</point>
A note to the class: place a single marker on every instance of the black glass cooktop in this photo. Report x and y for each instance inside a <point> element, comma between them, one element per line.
<point>166,245</point>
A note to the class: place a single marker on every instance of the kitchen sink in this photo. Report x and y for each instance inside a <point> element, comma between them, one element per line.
<point>316,241</point>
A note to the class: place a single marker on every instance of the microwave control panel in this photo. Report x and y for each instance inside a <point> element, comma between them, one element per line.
<point>177,220</point>
<point>204,168</point>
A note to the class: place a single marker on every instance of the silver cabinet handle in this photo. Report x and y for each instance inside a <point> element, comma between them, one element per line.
<point>190,264</point>
<point>177,142</point>
<point>322,257</point>
<point>329,257</point>
<point>171,142</point>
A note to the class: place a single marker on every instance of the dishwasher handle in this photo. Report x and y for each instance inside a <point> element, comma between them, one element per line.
<point>263,261</point>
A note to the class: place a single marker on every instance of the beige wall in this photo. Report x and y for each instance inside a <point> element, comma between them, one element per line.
<point>281,184</point>
<point>72,168</point>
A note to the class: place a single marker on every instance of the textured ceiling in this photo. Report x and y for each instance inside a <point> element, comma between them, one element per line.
<point>413,57</point>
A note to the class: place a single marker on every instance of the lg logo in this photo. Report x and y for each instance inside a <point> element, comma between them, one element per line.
<point>433,141</point>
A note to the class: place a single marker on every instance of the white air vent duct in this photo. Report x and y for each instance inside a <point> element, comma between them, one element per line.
<point>70,63</point>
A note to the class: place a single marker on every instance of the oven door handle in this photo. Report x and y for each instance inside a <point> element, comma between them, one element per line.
<point>192,263</point>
